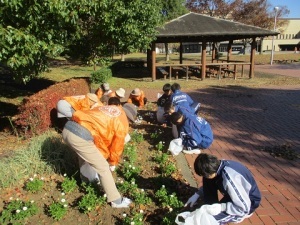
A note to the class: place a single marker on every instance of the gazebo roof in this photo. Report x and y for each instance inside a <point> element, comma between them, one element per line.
<point>194,27</point>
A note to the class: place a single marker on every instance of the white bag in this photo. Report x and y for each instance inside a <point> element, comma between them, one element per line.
<point>197,217</point>
<point>176,146</point>
<point>89,172</point>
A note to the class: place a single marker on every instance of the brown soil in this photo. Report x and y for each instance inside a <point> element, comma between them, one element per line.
<point>148,179</point>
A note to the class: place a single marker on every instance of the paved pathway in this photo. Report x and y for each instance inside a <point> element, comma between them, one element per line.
<point>245,120</point>
<point>292,69</point>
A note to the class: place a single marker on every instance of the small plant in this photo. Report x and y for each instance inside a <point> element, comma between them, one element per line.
<point>17,211</point>
<point>160,146</point>
<point>130,153</point>
<point>127,187</point>
<point>161,158</point>
<point>68,185</point>
<point>154,135</point>
<point>136,219</point>
<point>34,185</point>
<point>58,210</point>
<point>90,200</point>
<point>129,171</point>
<point>137,136</point>
<point>167,200</point>
<point>168,169</point>
<point>140,197</point>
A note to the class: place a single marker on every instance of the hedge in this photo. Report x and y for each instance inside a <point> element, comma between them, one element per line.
<point>38,112</point>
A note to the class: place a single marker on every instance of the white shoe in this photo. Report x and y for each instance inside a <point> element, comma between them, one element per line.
<point>124,204</point>
<point>194,151</point>
<point>245,217</point>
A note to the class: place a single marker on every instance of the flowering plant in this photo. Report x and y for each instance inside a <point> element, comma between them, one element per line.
<point>17,210</point>
<point>90,200</point>
<point>34,185</point>
<point>57,210</point>
<point>69,184</point>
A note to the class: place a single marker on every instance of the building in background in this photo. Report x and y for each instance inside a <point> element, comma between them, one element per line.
<point>287,40</point>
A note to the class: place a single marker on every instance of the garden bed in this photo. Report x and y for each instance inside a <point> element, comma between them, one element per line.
<point>147,174</point>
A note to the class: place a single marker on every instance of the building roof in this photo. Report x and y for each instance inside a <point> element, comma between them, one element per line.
<point>198,27</point>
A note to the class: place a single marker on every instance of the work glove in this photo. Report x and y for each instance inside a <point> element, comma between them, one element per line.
<point>215,209</point>
<point>112,168</point>
<point>192,200</point>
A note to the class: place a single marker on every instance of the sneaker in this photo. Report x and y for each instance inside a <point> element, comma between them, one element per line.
<point>124,204</point>
<point>193,151</point>
<point>245,217</point>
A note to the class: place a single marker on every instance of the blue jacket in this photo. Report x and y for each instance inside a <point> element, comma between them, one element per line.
<point>237,182</point>
<point>195,132</point>
<point>179,98</point>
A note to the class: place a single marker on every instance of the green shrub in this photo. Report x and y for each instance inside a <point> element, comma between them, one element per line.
<point>101,75</point>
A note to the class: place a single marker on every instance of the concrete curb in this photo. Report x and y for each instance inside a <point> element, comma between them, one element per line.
<point>185,169</point>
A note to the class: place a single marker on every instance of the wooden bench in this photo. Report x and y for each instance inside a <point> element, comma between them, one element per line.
<point>228,72</point>
<point>163,72</point>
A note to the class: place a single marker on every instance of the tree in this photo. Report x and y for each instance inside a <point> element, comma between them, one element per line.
<point>33,31</point>
<point>172,9</point>
<point>255,12</point>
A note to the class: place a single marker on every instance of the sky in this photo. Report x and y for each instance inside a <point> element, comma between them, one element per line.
<point>292,5</point>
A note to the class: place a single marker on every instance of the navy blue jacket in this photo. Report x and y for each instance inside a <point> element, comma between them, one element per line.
<point>195,132</point>
<point>237,182</point>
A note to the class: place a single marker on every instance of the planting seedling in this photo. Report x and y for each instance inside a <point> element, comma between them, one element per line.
<point>17,211</point>
<point>34,185</point>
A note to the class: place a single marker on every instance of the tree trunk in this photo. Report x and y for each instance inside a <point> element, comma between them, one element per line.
<point>122,57</point>
<point>216,46</point>
<point>167,52</point>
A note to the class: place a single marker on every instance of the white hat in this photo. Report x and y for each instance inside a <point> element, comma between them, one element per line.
<point>105,86</point>
<point>92,97</point>
<point>136,92</point>
<point>120,92</point>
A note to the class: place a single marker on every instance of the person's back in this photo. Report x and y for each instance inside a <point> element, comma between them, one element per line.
<point>230,169</point>
<point>106,126</point>
<point>193,130</point>
<point>179,98</point>
<point>240,193</point>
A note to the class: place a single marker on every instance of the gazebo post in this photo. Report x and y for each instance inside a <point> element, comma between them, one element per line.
<point>180,52</point>
<point>149,60</point>
<point>153,64</point>
<point>203,60</point>
<point>253,47</point>
<point>229,50</point>
<point>213,55</point>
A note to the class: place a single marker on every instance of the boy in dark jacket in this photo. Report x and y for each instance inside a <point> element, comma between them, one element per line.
<point>241,195</point>
<point>161,103</point>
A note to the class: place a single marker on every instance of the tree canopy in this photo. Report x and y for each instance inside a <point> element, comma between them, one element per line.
<point>33,31</point>
<point>258,13</point>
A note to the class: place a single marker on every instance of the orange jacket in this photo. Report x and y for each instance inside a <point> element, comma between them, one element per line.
<point>81,102</point>
<point>108,130</point>
<point>137,100</point>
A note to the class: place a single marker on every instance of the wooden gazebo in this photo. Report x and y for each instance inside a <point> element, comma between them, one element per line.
<point>193,27</point>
